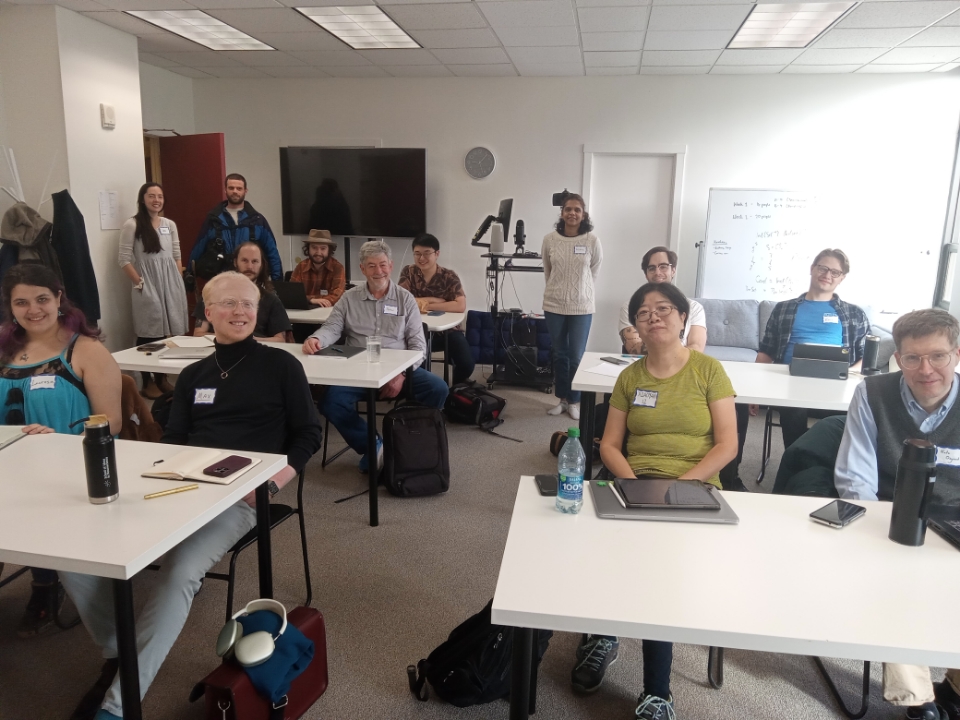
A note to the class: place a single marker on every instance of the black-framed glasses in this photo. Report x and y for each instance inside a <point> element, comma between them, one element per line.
<point>659,310</point>
<point>824,270</point>
<point>424,254</point>
<point>662,267</point>
<point>937,360</point>
<point>15,416</point>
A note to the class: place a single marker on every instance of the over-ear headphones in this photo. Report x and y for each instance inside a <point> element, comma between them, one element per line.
<point>257,647</point>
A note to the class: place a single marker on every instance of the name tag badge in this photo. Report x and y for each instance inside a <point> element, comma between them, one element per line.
<point>948,456</point>
<point>323,292</point>
<point>43,382</point>
<point>645,398</point>
<point>579,249</point>
<point>830,318</point>
<point>204,396</point>
<point>390,310</point>
<point>163,230</point>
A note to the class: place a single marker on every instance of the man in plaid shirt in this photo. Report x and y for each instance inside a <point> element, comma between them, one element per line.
<point>817,316</point>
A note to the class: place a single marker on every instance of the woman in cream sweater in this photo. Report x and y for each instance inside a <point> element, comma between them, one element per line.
<point>571,261</point>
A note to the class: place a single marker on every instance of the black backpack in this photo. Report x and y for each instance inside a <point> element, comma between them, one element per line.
<point>214,259</point>
<point>415,456</point>
<point>471,404</point>
<point>473,666</point>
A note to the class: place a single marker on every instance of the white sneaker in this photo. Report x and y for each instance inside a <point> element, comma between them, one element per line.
<point>560,409</point>
<point>574,410</point>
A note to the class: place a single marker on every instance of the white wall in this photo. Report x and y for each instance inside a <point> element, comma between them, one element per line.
<point>877,149</point>
<point>167,101</point>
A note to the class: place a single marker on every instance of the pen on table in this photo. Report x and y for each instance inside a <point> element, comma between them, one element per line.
<point>336,349</point>
<point>172,491</point>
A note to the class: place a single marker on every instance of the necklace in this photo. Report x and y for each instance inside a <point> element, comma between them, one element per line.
<point>225,373</point>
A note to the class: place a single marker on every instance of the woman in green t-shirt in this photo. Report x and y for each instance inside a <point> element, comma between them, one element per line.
<point>675,408</point>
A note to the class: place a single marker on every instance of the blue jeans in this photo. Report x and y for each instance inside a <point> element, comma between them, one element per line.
<point>568,340</point>
<point>339,406</point>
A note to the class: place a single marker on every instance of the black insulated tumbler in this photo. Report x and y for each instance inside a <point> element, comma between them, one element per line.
<point>871,355</point>
<point>916,475</point>
<point>100,459</point>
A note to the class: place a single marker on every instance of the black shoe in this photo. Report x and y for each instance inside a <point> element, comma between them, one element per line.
<point>736,485</point>
<point>947,699</point>
<point>927,711</point>
<point>594,656</point>
<point>40,615</point>
<point>92,701</point>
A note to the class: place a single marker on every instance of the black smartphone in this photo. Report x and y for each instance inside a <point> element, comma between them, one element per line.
<point>615,360</point>
<point>436,313</point>
<point>547,484</point>
<point>228,466</point>
<point>152,347</point>
<point>838,514</point>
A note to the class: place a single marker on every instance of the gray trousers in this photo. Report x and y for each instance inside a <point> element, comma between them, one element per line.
<point>167,608</point>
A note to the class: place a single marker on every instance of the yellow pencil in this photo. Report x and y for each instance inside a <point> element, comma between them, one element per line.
<point>173,491</point>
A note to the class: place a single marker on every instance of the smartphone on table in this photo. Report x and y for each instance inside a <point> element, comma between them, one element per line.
<point>152,347</point>
<point>228,466</point>
<point>615,360</point>
<point>838,514</point>
<point>547,484</point>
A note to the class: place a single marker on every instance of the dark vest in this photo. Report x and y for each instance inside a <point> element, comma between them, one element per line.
<point>894,425</point>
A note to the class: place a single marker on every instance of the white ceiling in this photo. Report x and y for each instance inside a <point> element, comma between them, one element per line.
<point>492,38</point>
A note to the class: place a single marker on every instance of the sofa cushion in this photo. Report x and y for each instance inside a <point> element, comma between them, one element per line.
<point>732,323</point>
<point>766,309</point>
<point>736,354</point>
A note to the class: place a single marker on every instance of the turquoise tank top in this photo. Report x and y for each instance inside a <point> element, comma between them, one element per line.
<point>47,392</point>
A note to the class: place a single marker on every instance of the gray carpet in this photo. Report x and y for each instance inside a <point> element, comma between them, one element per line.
<point>391,594</point>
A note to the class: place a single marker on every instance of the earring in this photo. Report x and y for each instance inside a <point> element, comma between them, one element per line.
<point>59,313</point>
<point>15,322</point>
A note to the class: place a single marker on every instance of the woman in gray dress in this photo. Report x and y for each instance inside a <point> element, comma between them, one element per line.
<point>150,257</point>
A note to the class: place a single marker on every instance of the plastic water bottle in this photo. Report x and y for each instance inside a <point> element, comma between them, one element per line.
<point>570,468</point>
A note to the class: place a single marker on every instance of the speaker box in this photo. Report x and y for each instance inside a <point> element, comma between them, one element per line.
<point>521,363</point>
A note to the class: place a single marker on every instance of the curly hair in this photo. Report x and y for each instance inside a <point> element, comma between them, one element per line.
<point>586,225</point>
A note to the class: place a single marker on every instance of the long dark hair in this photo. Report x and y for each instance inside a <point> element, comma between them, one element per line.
<point>263,277</point>
<point>12,336</point>
<point>145,230</point>
<point>670,292</point>
<point>586,225</point>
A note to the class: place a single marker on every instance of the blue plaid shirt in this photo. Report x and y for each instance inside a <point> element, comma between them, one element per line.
<point>777,335</point>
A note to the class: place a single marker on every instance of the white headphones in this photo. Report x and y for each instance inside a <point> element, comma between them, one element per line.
<point>256,648</point>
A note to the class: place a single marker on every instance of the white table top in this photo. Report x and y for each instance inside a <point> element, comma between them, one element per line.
<point>47,521</point>
<point>755,383</point>
<point>435,323</point>
<point>777,582</point>
<point>316,315</point>
<point>352,372</point>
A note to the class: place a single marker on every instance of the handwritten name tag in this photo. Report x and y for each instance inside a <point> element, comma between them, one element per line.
<point>830,318</point>
<point>204,396</point>
<point>163,230</point>
<point>43,382</point>
<point>390,310</point>
<point>579,249</point>
<point>645,398</point>
<point>323,292</point>
<point>948,456</point>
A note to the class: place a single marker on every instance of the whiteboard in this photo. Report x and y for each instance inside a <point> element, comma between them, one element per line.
<point>759,245</point>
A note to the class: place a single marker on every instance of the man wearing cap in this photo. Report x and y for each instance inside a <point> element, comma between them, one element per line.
<point>322,275</point>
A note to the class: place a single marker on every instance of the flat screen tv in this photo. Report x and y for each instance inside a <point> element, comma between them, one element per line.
<point>366,192</point>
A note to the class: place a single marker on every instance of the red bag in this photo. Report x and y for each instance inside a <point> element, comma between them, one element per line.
<point>228,693</point>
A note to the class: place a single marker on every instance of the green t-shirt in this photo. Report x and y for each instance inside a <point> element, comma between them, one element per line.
<point>669,424</point>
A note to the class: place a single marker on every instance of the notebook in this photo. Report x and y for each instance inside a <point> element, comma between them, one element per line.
<point>186,353</point>
<point>341,351</point>
<point>607,506</point>
<point>189,465</point>
<point>9,434</point>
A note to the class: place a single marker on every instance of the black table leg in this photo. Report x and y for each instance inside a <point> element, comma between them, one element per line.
<point>864,695</point>
<point>588,409</point>
<point>446,357</point>
<point>521,671</point>
<point>427,356</point>
<point>127,648</point>
<point>264,556</point>
<point>715,667</point>
<point>374,466</point>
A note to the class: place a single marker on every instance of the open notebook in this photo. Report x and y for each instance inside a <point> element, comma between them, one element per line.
<point>9,434</point>
<point>189,465</point>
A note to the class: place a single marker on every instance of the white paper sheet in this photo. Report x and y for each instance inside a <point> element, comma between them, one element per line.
<point>190,341</point>
<point>608,369</point>
<point>109,210</point>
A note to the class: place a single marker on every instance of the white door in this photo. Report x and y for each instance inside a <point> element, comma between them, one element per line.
<point>631,202</point>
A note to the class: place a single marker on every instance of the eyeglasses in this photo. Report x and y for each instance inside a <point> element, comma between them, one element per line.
<point>426,254</point>
<point>824,270</point>
<point>231,304</point>
<point>15,415</point>
<point>660,310</point>
<point>937,360</point>
<point>662,267</point>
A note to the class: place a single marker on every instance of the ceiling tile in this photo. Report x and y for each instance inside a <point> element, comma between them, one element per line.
<point>698,17</point>
<point>950,21</point>
<point>840,38</point>
<point>221,4</point>
<point>613,41</point>
<point>265,20</point>
<point>612,59</point>
<point>235,72</point>
<point>157,61</point>
<point>544,55</point>
<point>328,3</point>
<point>300,41</point>
<point>538,36</point>
<point>746,69</point>
<point>759,56</point>
<point>75,5</point>
<point>480,38</point>
<point>191,72</point>
<point>913,68</point>
<point>302,71</point>
<point>405,2</point>
<point>356,72</point>
<point>613,19</point>
<point>200,58</point>
<point>935,37</point>
<point>816,56</point>
<point>146,4</point>
<point>261,58</point>
<point>168,42</point>
<point>696,2</point>
<point>688,70</point>
<point>611,3</point>
<point>472,56</point>
<point>687,39</point>
<point>948,67</point>
<point>917,55</point>
<point>918,13</point>
<point>399,57</point>
<point>551,70</point>
<point>677,58</point>
<point>483,70</point>
<point>528,13</point>
<point>442,16</point>
<point>419,71</point>
<point>819,69</point>
<point>127,23</point>
<point>331,58</point>
<point>612,71</point>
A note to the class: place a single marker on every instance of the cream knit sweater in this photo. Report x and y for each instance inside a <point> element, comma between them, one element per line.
<point>570,267</point>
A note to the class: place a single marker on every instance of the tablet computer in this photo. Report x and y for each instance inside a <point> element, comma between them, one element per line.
<point>650,493</point>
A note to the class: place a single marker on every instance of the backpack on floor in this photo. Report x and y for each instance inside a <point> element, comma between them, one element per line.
<point>471,404</point>
<point>473,666</point>
<point>416,460</point>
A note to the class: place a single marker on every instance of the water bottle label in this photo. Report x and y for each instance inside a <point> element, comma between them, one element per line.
<point>571,487</point>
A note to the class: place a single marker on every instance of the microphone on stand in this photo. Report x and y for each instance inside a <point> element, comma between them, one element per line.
<point>519,238</point>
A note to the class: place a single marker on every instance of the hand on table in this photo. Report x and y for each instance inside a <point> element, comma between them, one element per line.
<point>311,346</point>
<point>37,429</point>
<point>321,302</point>
<point>392,388</point>
<point>423,304</point>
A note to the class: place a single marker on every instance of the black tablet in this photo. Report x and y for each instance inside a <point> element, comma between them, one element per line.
<point>689,494</point>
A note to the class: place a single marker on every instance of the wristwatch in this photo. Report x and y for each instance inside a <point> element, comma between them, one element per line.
<point>272,487</point>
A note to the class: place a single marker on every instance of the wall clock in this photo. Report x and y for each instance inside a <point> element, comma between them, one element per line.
<point>479,163</point>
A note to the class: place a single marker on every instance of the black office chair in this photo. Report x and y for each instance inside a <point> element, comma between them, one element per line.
<point>279,513</point>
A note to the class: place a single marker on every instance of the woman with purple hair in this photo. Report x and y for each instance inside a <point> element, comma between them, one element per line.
<point>53,371</point>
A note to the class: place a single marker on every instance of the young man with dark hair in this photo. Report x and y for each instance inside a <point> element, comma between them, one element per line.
<point>322,275</point>
<point>235,221</point>
<point>439,288</point>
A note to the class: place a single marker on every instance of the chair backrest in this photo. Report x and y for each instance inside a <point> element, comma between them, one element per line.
<point>732,323</point>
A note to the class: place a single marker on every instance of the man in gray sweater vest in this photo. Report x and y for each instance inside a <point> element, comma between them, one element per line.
<point>918,402</point>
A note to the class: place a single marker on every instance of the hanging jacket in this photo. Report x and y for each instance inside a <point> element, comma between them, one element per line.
<point>70,241</point>
<point>250,225</point>
<point>26,238</point>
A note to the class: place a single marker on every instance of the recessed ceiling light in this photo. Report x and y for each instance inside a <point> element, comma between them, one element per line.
<point>201,28</point>
<point>787,25</point>
<point>361,27</point>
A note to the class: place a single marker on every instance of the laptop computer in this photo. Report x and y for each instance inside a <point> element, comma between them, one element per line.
<point>293,296</point>
<point>945,522</point>
<point>608,506</point>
